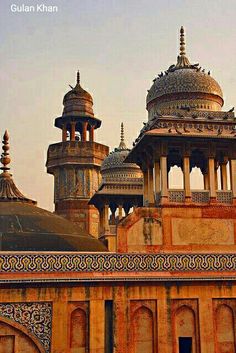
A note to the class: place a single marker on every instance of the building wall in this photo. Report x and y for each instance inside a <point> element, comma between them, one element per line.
<point>147,317</point>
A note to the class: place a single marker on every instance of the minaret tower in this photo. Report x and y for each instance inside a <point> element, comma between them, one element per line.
<point>75,161</point>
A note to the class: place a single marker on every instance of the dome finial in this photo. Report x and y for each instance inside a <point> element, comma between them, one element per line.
<point>78,77</point>
<point>5,158</point>
<point>182,42</point>
<point>122,132</point>
<point>122,145</point>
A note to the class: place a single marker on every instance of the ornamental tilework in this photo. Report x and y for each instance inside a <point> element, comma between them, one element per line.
<point>35,317</point>
<point>36,263</point>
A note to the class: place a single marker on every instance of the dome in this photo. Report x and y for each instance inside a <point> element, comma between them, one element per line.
<point>184,86</point>
<point>78,102</point>
<point>114,167</point>
<point>26,227</point>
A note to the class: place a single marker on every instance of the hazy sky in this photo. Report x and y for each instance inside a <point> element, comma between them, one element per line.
<point>119,47</point>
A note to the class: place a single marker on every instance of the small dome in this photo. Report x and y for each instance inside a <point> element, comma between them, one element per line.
<point>78,102</point>
<point>184,86</point>
<point>26,227</point>
<point>114,167</point>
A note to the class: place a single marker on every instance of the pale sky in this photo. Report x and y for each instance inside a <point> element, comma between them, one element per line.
<point>119,47</point>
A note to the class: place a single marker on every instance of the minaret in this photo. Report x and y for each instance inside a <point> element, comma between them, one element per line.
<point>75,161</point>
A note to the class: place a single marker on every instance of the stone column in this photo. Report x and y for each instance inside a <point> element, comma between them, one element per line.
<point>223,175</point>
<point>84,131</point>
<point>233,176</point>
<point>72,131</point>
<point>216,178</point>
<point>101,220</point>
<point>186,171</point>
<point>106,218</point>
<point>164,176</point>
<point>157,176</point>
<point>206,181</point>
<point>91,134</point>
<point>120,215</point>
<point>151,200</point>
<point>64,133</point>
<point>145,188</point>
<point>211,171</point>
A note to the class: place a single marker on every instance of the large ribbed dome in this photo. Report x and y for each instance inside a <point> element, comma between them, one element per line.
<point>184,86</point>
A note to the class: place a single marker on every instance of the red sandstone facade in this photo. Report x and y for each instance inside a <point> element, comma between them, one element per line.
<point>168,283</point>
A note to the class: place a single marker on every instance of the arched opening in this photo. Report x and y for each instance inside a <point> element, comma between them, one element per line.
<point>175,170</point>
<point>142,331</point>
<point>185,330</point>
<point>12,336</point>
<point>78,332</point>
<point>198,171</point>
<point>225,332</point>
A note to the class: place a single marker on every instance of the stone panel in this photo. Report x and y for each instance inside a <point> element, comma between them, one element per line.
<point>146,231</point>
<point>202,231</point>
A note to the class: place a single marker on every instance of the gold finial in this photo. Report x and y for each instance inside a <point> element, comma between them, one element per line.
<point>78,77</point>
<point>182,42</point>
<point>122,132</point>
<point>5,158</point>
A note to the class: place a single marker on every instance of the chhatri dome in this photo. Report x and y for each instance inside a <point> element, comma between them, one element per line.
<point>113,166</point>
<point>182,86</point>
<point>26,227</point>
<point>78,102</point>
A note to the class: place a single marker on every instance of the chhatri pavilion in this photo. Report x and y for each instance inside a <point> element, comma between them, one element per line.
<point>127,263</point>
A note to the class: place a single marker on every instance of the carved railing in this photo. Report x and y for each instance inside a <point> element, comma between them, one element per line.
<point>224,196</point>
<point>176,195</point>
<point>202,196</point>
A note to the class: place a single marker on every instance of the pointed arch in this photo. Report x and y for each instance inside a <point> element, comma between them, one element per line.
<point>142,330</point>
<point>225,329</point>
<point>78,331</point>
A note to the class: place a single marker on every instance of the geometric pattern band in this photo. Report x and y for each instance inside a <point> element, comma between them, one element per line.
<point>123,262</point>
<point>35,317</point>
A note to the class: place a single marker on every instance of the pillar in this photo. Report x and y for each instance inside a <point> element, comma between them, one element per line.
<point>84,131</point>
<point>216,178</point>
<point>186,170</point>
<point>91,134</point>
<point>211,169</point>
<point>150,186</point>
<point>102,220</point>
<point>164,176</point>
<point>206,181</point>
<point>106,218</point>
<point>157,176</point>
<point>223,175</point>
<point>145,188</point>
<point>64,133</point>
<point>233,176</point>
<point>72,131</point>
<point>120,215</point>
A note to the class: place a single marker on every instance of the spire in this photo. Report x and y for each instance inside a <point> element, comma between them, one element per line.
<point>122,145</point>
<point>78,77</point>
<point>182,42</point>
<point>8,189</point>
<point>182,60</point>
<point>5,158</point>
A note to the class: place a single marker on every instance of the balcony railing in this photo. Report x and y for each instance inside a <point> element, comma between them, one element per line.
<point>197,196</point>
